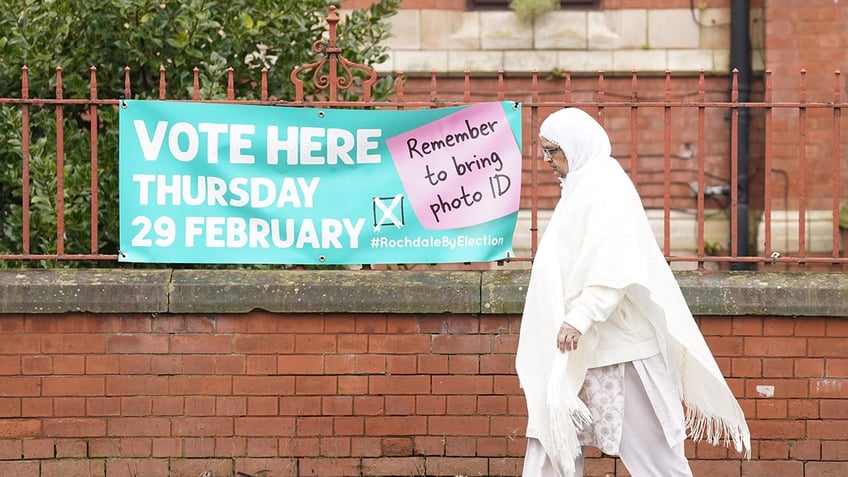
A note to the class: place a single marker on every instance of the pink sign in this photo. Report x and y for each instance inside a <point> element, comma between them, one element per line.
<point>461,170</point>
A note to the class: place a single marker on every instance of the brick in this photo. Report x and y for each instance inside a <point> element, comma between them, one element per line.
<point>352,385</point>
<point>834,450</point>
<point>778,367</point>
<point>201,344</point>
<point>432,364</point>
<point>199,364</point>
<point>21,345</point>
<point>463,385</point>
<point>456,466</point>
<point>774,450</point>
<point>135,385</point>
<point>803,409</point>
<point>264,426</point>
<point>69,448</point>
<point>809,367</point>
<point>352,343</point>
<point>829,388</point>
<point>230,447</point>
<point>202,385</point>
<point>35,449</point>
<point>73,344</point>
<point>262,406</point>
<point>746,367</point>
<point>726,346</point>
<point>320,385</point>
<point>65,364</point>
<point>261,364</point>
<point>497,364</point>
<point>230,364</point>
<point>199,406</point>
<point>300,405</point>
<point>310,343</point>
<point>36,407</point>
<point>14,428</point>
<point>746,326</point>
<point>300,364</point>
<point>139,426</point>
<point>810,326</point>
<point>10,365</point>
<point>338,363</point>
<point>505,344</point>
<point>262,447</point>
<point>69,407</point>
<point>101,364</point>
<point>336,405</point>
<point>136,324</point>
<point>129,467</point>
<point>806,450</point>
<point>230,406</point>
<point>771,409</point>
<point>826,469</point>
<point>462,344</point>
<point>783,388</point>
<point>136,406</point>
<point>314,426</point>
<point>10,407</point>
<point>381,385</point>
<point>458,425</point>
<point>135,364</point>
<point>202,426</point>
<point>396,426</point>
<point>775,346</point>
<point>11,449</point>
<point>827,430</point>
<point>257,466</point>
<point>370,364</point>
<point>73,386</point>
<point>399,344</point>
<point>462,405</point>
<point>401,364</point>
<point>36,365</point>
<point>166,364</point>
<point>166,405</point>
<point>366,447</point>
<point>778,326</point>
<point>167,447</point>
<point>21,469</point>
<point>430,405</point>
<point>460,446</point>
<point>194,467</point>
<point>371,324</point>
<point>73,468</point>
<point>399,405</point>
<point>337,467</point>
<point>836,368</point>
<point>145,344</point>
<point>773,468</point>
<point>263,344</point>
<point>390,466</point>
<point>496,405</point>
<point>827,347</point>
<point>776,429</point>
<point>348,426</point>
<point>300,447</point>
<point>334,446</point>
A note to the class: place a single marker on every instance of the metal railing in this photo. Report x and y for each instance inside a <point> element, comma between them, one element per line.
<point>813,129</point>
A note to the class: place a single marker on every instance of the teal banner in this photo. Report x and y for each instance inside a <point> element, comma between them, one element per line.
<point>245,184</point>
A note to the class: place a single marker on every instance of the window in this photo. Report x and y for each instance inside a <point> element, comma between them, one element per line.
<point>504,4</point>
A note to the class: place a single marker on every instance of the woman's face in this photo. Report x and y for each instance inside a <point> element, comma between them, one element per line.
<point>554,156</point>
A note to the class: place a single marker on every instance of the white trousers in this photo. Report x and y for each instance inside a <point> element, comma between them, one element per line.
<point>644,449</point>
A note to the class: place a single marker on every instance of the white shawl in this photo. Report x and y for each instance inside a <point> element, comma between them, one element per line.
<point>599,234</point>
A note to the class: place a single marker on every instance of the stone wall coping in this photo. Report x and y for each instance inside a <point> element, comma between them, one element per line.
<point>732,293</point>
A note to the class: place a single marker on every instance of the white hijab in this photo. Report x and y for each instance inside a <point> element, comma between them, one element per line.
<point>599,234</point>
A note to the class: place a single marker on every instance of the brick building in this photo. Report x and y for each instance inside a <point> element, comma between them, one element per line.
<point>623,38</point>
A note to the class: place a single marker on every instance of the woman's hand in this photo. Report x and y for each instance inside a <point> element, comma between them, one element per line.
<point>567,337</point>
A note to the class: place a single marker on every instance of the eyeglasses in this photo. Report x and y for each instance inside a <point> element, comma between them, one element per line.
<point>549,151</point>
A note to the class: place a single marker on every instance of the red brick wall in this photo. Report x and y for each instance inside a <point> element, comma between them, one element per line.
<point>333,395</point>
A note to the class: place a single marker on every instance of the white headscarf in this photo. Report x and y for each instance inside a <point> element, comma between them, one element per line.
<point>599,235</point>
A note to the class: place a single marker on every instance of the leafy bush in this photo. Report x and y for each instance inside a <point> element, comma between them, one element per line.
<point>111,35</point>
